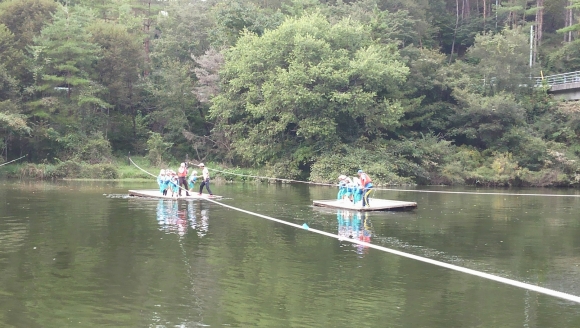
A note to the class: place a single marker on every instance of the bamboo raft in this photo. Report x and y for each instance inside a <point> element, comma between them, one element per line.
<point>155,193</point>
<point>375,204</point>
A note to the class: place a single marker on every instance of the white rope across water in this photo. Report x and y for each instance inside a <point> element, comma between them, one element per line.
<point>14,160</point>
<point>511,282</point>
<point>542,290</point>
<point>153,175</point>
<point>404,190</point>
<point>277,179</point>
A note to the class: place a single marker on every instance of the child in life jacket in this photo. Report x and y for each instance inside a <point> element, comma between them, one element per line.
<point>192,180</point>
<point>341,187</point>
<point>349,189</point>
<point>174,184</point>
<point>161,182</point>
<point>357,191</point>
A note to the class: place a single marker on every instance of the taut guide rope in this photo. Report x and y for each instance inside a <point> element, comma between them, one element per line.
<point>405,190</point>
<point>14,160</point>
<point>511,282</point>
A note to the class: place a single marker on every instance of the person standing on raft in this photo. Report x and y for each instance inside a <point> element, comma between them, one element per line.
<point>192,180</point>
<point>205,180</point>
<point>341,187</point>
<point>366,184</point>
<point>162,182</point>
<point>182,176</point>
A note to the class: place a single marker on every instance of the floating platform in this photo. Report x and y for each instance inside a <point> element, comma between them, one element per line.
<point>375,205</point>
<point>154,193</point>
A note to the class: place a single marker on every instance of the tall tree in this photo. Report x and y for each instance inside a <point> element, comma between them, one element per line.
<point>501,61</point>
<point>184,31</point>
<point>66,57</point>
<point>10,56</point>
<point>25,18</point>
<point>234,16</point>
<point>305,88</point>
<point>118,69</point>
<point>571,27</point>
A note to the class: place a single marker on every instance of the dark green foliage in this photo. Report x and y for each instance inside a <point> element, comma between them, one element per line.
<point>157,149</point>
<point>234,16</point>
<point>303,84</point>
<point>68,169</point>
<point>380,165</point>
<point>102,171</point>
<point>95,150</point>
<point>26,18</point>
<point>391,163</point>
<point>482,121</point>
<point>300,89</point>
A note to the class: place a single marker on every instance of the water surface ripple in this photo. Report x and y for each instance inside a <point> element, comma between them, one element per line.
<point>82,254</point>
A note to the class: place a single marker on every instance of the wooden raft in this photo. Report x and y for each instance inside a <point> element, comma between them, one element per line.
<point>155,193</point>
<point>375,205</point>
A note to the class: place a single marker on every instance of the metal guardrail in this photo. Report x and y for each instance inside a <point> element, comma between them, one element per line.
<point>564,78</point>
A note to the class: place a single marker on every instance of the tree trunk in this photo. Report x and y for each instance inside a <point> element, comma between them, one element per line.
<point>484,12</point>
<point>454,31</point>
<point>146,27</point>
<point>539,27</point>
<point>567,21</point>
<point>570,21</point>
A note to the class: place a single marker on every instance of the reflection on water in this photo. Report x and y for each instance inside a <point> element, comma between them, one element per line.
<point>172,219</point>
<point>355,225</point>
<point>72,257</point>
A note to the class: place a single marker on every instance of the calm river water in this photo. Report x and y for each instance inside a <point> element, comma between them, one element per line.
<point>71,255</point>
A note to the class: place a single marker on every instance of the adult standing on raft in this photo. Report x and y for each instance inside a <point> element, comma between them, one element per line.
<point>182,176</point>
<point>205,180</point>
<point>366,184</point>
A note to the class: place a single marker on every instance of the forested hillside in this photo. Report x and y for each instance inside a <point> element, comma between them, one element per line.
<point>413,91</point>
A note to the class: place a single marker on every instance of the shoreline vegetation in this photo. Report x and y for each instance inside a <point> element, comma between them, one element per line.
<point>119,169</point>
<point>500,174</point>
<point>411,92</point>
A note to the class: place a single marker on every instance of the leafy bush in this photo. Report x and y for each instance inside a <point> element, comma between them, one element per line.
<point>379,164</point>
<point>94,150</point>
<point>100,171</point>
<point>157,148</point>
<point>283,169</point>
<point>33,171</point>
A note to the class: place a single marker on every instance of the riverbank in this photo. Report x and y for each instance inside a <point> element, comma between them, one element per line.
<point>122,169</point>
<point>118,169</point>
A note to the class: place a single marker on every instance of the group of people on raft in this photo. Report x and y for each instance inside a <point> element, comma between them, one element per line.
<point>171,182</point>
<point>356,189</point>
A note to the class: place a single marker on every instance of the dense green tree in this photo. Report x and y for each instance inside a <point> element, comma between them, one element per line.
<point>26,18</point>
<point>66,57</point>
<point>171,86</point>
<point>496,63</point>
<point>234,16</point>
<point>12,61</point>
<point>184,31</point>
<point>481,121</point>
<point>11,125</point>
<point>117,70</point>
<point>305,87</point>
<point>565,58</point>
<point>427,92</point>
